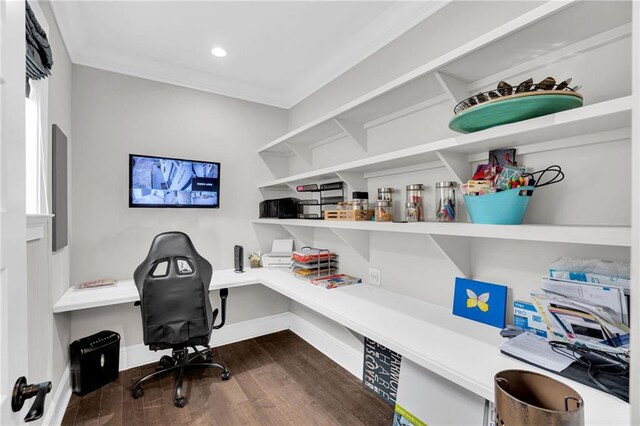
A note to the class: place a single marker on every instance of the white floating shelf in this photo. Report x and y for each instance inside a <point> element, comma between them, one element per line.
<point>597,235</point>
<point>537,33</point>
<point>605,120</point>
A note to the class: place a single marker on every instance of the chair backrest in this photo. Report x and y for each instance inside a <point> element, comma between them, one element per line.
<point>173,283</point>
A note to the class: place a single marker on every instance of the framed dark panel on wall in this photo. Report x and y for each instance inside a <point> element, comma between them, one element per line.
<point>59,176</point>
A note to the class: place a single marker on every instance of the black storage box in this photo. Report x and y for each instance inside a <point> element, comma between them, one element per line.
<point>280,208</point>
<point>95,361</point>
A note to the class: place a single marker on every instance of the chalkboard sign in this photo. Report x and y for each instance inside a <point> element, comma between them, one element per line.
<point>381,370</point>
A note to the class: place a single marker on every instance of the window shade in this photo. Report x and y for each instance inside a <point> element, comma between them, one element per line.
<point>39,56</point>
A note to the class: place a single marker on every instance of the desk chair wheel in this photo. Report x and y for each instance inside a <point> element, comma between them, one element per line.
<point>180,402</point>
<point>165,362</point>
<point>137,393</point>
<point>225,375</point>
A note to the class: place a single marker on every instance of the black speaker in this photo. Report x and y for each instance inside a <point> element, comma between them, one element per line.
<point>238,258</point>
<point>94,361</point>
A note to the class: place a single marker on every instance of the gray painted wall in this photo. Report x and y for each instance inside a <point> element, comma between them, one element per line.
<point>115,115</point>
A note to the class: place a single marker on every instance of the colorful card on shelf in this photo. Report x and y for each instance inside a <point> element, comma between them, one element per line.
<point>480,301</point>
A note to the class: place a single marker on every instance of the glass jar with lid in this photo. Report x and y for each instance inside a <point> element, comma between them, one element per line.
<point>384,211</point>
<point>411,212</point>
<point>414,195</point>
<point>445,201</point>
<point>385,194</point>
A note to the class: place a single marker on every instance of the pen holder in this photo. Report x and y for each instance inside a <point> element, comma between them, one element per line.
<point>502,208</point>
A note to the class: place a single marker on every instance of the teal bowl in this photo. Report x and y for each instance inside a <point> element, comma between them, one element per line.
<point>514,108</point>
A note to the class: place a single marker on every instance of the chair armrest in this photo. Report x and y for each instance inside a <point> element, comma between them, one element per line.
<point>224,293</point>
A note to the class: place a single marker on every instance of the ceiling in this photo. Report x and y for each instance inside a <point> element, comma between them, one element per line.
<point>278,52</point>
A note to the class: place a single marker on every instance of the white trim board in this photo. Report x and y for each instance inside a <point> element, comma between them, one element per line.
<point>139,354</point>
<point>60,400</point>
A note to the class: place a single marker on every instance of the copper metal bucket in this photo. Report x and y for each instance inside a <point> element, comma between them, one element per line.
<point>528,398</point>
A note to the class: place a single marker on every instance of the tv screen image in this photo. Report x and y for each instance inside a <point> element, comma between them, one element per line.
<point>173,182</point>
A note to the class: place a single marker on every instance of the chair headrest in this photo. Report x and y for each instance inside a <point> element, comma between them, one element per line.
<point>172,244</point>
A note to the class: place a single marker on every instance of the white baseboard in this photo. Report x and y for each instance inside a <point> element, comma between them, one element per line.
<point>139,354</point>
<point>342,354</point>
<point>135,355</point>
<point>60,400</point>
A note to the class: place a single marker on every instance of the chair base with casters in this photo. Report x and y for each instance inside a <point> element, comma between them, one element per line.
<point>173,285</point>
<point>179,361</point>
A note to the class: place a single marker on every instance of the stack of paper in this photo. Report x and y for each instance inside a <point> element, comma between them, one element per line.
<point>612,298</point>
<point>310,262</point>
<point>581,323</point>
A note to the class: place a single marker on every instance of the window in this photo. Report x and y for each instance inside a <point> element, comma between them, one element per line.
<point>36,135</point>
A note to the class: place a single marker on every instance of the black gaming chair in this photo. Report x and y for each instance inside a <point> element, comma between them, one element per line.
<point>173,282</point>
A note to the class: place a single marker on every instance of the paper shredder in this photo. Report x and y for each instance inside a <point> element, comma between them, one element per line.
<point>94,361</point>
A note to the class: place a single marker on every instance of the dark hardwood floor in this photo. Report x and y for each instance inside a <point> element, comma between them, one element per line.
<point>278,379</point>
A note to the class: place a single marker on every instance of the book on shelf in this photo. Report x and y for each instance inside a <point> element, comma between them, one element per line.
<point>336,280</point>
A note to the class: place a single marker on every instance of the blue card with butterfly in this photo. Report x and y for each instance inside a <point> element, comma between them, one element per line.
<point>480,301</point>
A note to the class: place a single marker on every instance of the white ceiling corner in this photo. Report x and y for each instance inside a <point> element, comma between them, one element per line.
<point>330,38</point>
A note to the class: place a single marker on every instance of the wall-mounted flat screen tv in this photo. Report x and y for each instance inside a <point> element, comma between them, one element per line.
<point>173,182</point>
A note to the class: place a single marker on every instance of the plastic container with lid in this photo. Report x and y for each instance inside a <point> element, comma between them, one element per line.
<point>414,195</point>
<point>360,200</point>
<point>384,211</point>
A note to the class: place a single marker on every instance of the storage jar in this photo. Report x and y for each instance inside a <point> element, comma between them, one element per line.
<point>445,201</point>
<point>385,194</point>
<point>411,212</point>
<point>384,211</point>
<point>414,195</point>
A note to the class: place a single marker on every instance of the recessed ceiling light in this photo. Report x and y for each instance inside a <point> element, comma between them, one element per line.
<point>218,52</point>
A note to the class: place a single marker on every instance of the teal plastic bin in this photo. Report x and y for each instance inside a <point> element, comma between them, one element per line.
<point>502,208</point>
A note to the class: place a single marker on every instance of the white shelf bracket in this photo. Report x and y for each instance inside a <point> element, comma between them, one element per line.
<point>456,89</point>
<point>355,181</point>
<point>292,187</point>
<point>355,131</point>
<point>302,151</point>
<point>300,233</point>
<point>456,163</point>
<point>356,239</point>
<point>277,163</point>
<point>457,250</point>
<point>272,192</point>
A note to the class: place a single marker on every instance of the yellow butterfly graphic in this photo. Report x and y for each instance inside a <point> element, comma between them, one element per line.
<point>479,301</point>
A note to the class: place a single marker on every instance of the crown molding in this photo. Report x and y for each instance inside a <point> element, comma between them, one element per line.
<point>399,18</point>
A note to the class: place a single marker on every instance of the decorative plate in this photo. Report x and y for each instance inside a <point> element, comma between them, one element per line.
<point>513,108</point>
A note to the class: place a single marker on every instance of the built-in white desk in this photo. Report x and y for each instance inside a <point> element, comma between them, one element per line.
<point>462,351</point>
